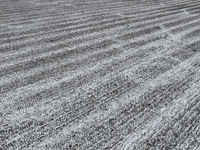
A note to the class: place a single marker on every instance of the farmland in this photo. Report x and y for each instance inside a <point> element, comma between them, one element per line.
<point>99,74</point>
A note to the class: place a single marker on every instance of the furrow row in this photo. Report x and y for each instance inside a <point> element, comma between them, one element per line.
<point>62,21</point>
<point>176,130</point>
<point>83,31</point>
<point>130,113</point>
<point>89,108</point>
<point>122,62</point>
<point>59,45</point>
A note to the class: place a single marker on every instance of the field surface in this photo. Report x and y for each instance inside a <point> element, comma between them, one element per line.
<point>100,74</point>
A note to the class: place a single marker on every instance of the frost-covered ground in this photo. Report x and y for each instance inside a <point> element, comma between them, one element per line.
<point>99,74</point>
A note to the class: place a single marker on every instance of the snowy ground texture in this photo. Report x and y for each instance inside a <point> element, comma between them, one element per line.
<point>99,74</point>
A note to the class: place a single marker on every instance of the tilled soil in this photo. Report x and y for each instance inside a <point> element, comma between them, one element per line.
<point>99,74</point>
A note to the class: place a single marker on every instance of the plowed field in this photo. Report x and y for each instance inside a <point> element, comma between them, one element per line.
<point>99,74</point>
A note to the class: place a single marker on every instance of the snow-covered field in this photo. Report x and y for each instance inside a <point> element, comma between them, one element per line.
<point>100,74</point>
